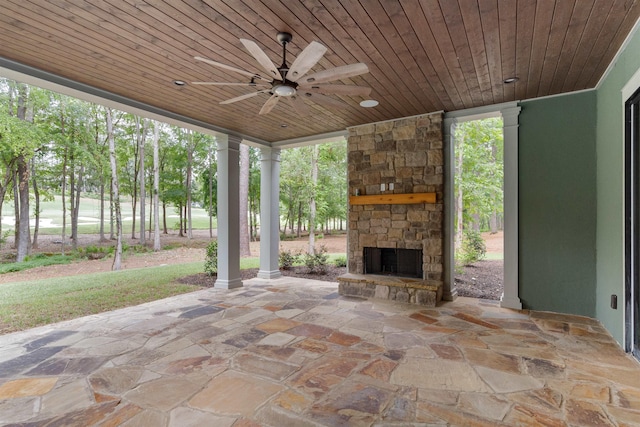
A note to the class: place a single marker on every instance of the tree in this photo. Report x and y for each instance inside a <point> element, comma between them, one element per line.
<point>312,203</point>
<point>245,248</point>
<point>117,259</point>
<point>479,174</point>
<point>156,187</point>
<point>141,141</point>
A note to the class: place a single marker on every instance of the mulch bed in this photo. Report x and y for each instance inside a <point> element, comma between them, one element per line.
<point>482,279</point>
<point>206,281</point>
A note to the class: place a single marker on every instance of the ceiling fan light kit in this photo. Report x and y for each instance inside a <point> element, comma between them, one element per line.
<point>289,82</point>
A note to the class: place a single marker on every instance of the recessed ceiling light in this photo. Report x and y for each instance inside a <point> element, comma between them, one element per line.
<point>284,125</point>
<point>179,83</point>
<point>368,103</point>
<point>510,80</point>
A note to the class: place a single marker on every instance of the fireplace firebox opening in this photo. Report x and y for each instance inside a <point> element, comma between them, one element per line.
<point>393,262</point>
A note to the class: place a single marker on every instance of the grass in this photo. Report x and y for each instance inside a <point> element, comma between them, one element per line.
<point>26,305</point>
<point>89,215</point>
<point>39,260</point>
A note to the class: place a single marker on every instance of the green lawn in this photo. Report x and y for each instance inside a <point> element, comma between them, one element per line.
<point>89,215</point>
<point>26,305</point>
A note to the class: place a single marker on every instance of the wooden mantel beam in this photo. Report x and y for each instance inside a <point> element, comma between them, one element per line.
<point>393,199</point>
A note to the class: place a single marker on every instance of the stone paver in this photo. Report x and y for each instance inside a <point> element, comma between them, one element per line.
<point>290,352</point>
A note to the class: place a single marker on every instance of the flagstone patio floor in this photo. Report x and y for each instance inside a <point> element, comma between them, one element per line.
<point>292,352</point>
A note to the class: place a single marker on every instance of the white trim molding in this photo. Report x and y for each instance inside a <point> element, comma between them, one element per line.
<point>509,113</point>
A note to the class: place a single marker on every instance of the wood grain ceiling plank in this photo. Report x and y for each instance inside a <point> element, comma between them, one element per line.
<point>355,19</point>
<point>181,15</point>
<point>399,49</point>
<point>583,49</point>
<point>426,20</point>
<point>183,46</point>
<point>561,17</point>
<point>476,38</point>
<point>262,14</point>
<point>63,36</point>
<point>337,21</point>
<point>346,51</point>
<point>139,92</point>
<point>575,31</point>
<point>541,30</point>
<point>507,20</point>
<point>457,33</point>
<point>490,22</point>
<point>524,36</point>
<point>603,49</point>
<point>436,85</point>
<point>303,34</point>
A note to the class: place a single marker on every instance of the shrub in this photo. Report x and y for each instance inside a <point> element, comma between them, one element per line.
<point>473,249</point>
<point>211,259</point>
<point>340,261</point>
<point>287,259</point>
<point>317,263</point>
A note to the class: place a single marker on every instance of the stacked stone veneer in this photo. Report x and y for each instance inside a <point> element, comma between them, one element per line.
<point>408,153</point>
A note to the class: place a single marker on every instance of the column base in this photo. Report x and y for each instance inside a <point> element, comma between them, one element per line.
<point>228,284</point>
<point>513,303</point>
<point>264,274</point>
<point>450,295</point>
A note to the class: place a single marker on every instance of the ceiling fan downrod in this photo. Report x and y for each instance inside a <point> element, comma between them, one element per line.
<point>284,38</point>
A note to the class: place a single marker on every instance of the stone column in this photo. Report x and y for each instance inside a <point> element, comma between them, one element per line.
<point>269,213</point>
<point>510,298</point>
<point>449,293</point>
<point>228,213</point>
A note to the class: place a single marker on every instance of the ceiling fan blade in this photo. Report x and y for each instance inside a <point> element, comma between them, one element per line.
<point>336,73</point>
<point>268,106</point>
<point>324,100</point>
<point>307,59</point>
<point>241,97</point>
<point>298,104</point>
<point>337,89</point>
<point>262,58</point>
<point>229,84</point>
<point>228,67</point>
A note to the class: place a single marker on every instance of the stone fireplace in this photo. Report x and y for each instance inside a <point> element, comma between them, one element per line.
<point>396,184</point>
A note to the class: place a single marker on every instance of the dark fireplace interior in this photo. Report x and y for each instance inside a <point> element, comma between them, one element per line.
<point>393,262</point>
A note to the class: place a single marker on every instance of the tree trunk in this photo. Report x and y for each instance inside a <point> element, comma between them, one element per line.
<point>102,238</point>
<point>16,208</point>
<point>141,142</point>
<point>72,192</point>
<point>312,204</point>
<point>210,195</point>
<point>112,235</point>
<point>36,194</point>
<point>117,259</point>
<point>245,247</point>
<point>299,219</point>
<point>76,208</point>
<point>23,242</point>
<point>23,246</point>
<point>180,233</point>
<point>164,218</point>
<point>64,201</point>
<point>459,194</point>
<point>156,187</point>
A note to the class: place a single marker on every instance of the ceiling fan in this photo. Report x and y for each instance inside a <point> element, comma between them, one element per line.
<point>293,82</point>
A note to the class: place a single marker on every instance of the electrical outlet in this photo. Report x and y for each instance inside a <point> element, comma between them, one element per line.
<point>391,186</point>
<point>614,302</point>
<point>382,187</point>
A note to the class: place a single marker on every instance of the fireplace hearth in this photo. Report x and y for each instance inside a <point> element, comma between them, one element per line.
<point>393,262</point>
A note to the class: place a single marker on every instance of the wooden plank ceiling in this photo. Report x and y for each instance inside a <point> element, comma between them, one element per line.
<point>423,56</point>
